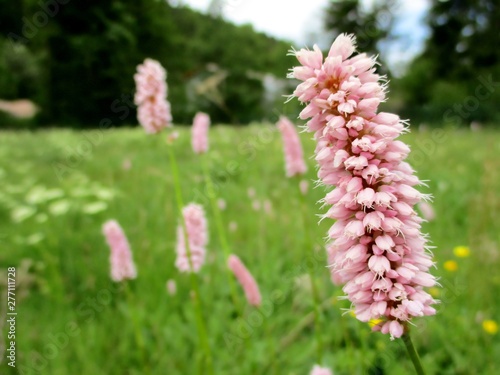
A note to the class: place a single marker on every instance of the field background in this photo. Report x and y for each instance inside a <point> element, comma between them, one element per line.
<point>73,320</point>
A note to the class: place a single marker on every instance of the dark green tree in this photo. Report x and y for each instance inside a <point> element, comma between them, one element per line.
<point>454,79</point>
<point>86,53</point>
<point>371,25</point>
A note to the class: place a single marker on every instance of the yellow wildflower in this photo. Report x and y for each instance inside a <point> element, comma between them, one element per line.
<point>461,251</point>
<point>374,322</point>
<point>490,326</point>
<point>450,265</point>
<point>434,292</point>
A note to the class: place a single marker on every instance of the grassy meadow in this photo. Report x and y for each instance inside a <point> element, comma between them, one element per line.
<point>57,187</point>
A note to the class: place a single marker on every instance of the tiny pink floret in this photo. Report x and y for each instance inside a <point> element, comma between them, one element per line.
<point>122,264</point>
<point>377,249</point>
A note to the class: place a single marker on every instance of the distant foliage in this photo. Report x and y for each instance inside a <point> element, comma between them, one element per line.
<point>456,78</point>
<point>84,54</point>
<point>371,24</point>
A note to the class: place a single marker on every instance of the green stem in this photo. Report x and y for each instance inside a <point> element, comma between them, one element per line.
<point>202,331</point>
<point>314,289</point>
<point>303,323</point>
<point>137,327</point>
<point>295,333</point>
<point>221,232</point>
<point>412,352</point>
<point>222,239</point>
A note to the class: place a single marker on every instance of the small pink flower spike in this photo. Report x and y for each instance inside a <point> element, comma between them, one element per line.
<point>303,186</point>
<point>171,287</point>
<point>127,164</point>
<point>233,226</point>
<point>199,136</point>
<point>122,264</point>
<point>197,233</point>
<point>221,203</point>
<point>427,211</point>
<point>246,280</point>
<point>318,370</point>
<point>294,158</point>
<point>376,247</point>
<point>251,192</point>
<point>153,110</point>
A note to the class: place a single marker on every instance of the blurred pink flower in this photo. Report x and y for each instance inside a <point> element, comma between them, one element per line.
<point>376,246</point>
<point>197,233</point>
<point>303,186</point>
<point>199,130</point>
<point>153,110</point>
<point>256,205</point>
<point>427,211</point>
<point>246,280</point>
<point>251,192</point>
<point>294,158</point>
<point>172,137</point>
<point>318,370</point>
<point>268,207</point>
<point>233,226</point>
<point>221,203</point>
<point>127,164</point>
<point>122,264</point>
<point>171,287</point>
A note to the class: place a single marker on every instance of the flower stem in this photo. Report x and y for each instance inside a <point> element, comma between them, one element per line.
<point>412,352</point>
<point>137,327</point>
<point>295,332</point>
<point>202,331</point>
<point>314,289</point>
<point>212,196</point>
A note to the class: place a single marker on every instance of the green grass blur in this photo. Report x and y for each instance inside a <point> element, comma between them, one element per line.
<point>57,187</point>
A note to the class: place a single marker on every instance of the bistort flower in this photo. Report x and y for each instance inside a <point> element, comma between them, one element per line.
<point>199,133</point>
<point>376,247</point>
<point>245,279</point>
<point>122,264</point>
<point>153,109</point>
<point>294,156</point>
<point>197,234</point>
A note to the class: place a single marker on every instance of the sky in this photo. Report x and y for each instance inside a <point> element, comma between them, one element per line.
<point>300,22</point>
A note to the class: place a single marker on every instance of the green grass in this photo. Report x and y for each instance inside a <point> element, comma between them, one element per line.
<point>73,320</point>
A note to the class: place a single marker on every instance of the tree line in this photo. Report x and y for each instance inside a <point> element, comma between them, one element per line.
<point>76,60</point>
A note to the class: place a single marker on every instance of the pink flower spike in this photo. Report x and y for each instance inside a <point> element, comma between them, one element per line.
<point>233,226</point>
<point>122,264</point>
<point>199,137</point>
<point>246,280</point>
<point>251,192</point>
<point>303,186</point>
<point>318,370</point>
<point>294,157</point>
<point>427,211</point>
<point>376,247</point>
<point>153,110</point>
<point>197,234</point>
<point>221,203</point>
<point>171,287</point>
